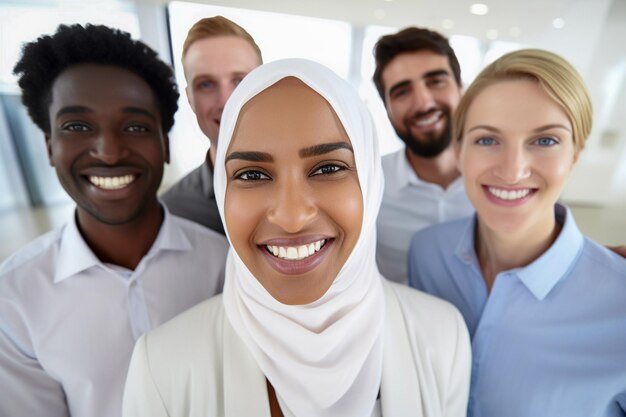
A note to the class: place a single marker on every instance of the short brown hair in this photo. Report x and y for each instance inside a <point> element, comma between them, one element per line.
<point>553,73</point>
<point>210,27</point>
<point>411,39</point>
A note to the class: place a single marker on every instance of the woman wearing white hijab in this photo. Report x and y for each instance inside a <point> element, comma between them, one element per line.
<point>306,325</point>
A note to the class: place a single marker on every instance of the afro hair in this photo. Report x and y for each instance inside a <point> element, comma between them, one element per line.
<point>44,59</point>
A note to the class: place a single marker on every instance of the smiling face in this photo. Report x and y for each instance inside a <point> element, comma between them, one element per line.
<point>106,142</point>
<point>293,205</point>
<point>213,68</point>
<point>516,153</point>
<point>421,95</point>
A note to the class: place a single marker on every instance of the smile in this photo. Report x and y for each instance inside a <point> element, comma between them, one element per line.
<point>112,183</point>
<point>509,195</point>
<point>296,253</point>
<point>429,120</point>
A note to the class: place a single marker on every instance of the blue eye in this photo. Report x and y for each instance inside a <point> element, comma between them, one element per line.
<point>327,169</point>
<point>251,175</point>
<point>547,141</point>
<point>486,141</point>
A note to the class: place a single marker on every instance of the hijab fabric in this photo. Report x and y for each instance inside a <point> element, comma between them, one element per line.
<point>323,358</point>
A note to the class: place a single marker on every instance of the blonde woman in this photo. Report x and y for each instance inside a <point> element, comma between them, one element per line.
<point>545,306</point>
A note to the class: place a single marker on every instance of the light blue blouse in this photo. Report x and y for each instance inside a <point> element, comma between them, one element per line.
<point>550,339</point>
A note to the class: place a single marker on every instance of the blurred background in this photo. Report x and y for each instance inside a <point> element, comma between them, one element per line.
<point>591,34</point>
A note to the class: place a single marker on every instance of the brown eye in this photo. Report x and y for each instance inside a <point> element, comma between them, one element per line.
<point>251,175</point>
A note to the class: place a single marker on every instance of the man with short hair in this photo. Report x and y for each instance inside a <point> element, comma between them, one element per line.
<point>418,78</point>
<point>74,301</point>
<point>217,54</point>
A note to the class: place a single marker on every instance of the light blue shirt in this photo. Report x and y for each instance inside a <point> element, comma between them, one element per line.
<point>550,339</point>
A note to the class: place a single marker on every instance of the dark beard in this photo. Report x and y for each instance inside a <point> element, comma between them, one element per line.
<point>431,145</point>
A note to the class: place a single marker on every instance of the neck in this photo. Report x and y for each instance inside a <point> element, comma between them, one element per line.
<point>123,245</point>
<point>210,156</point>
<point>502,251</point>
<point>441,170</point>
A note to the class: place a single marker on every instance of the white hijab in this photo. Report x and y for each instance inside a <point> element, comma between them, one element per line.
<point>323,358</point>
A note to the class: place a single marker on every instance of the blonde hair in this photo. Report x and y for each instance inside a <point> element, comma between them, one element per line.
<point>553,73</point>
<point>210,27</point>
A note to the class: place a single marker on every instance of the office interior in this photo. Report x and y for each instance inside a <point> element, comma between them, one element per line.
<point>341,35</point>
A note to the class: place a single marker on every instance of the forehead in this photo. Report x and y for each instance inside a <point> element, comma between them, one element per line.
<point>515,104</point>
<point>413,65</point>
<point>289,114</point>
<point>219,55</point>
<point>92,84</point>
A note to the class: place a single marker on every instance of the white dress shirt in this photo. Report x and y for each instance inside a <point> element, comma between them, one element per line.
<point>68,322</point>
<point>410,204</point>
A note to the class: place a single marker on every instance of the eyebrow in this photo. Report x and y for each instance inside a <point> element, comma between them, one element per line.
<point>139,110</point>
<point>73,109</point>
<point>429,74</point>
<point>323,149</point>
<point>250,156</point>
<point>536,130</point>
<point>309,152</point>
<point>83,109</point>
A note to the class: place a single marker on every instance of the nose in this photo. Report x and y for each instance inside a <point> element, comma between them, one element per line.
<point>514,166</point>
<point>224,94</point>
<point>292,207</point>
<point>109,147</point>
<point>422,99</point>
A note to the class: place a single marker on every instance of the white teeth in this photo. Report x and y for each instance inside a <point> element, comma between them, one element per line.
<point>296,253</point>
<point>509,194</point>
<point>429,120</point>
<point>111,183</point>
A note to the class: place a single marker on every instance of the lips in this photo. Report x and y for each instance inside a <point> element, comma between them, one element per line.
<point>294,258</point>
<point>508,196</point>
<point>111,182</point>
<point>428,120</point>
<point>296,253</point>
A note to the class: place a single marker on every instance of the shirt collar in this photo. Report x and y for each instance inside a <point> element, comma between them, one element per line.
<point>407,176</point>
<point>545,272</point>
<point>75,255</point>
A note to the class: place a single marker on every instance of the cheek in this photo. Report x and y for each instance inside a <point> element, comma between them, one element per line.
<point>241,212</point>
<point>345,204</point>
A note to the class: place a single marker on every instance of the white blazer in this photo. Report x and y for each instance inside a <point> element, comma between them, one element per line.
<point>196,365</point>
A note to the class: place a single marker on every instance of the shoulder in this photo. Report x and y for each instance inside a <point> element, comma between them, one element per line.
<point>198,233</point>
<point>391,160</point>
<point>432,239</point>
<point>188,336</point>
<point>434,327</point>
<point>423,309</point>
<point>38,252</point>
<point>596,257</point>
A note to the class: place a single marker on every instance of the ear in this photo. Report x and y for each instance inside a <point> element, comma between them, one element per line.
<point>49,148</point>
<point>166,149</point>
<point>189,95</point>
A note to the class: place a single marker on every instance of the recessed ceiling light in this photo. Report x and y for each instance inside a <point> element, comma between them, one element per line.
<point>447,23</point>
<point>492,34</point>
<point>515,31</point>
<point>388,1</point>
<point>379,14</point>
<point>479,9</point>
<point>558,23</point>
